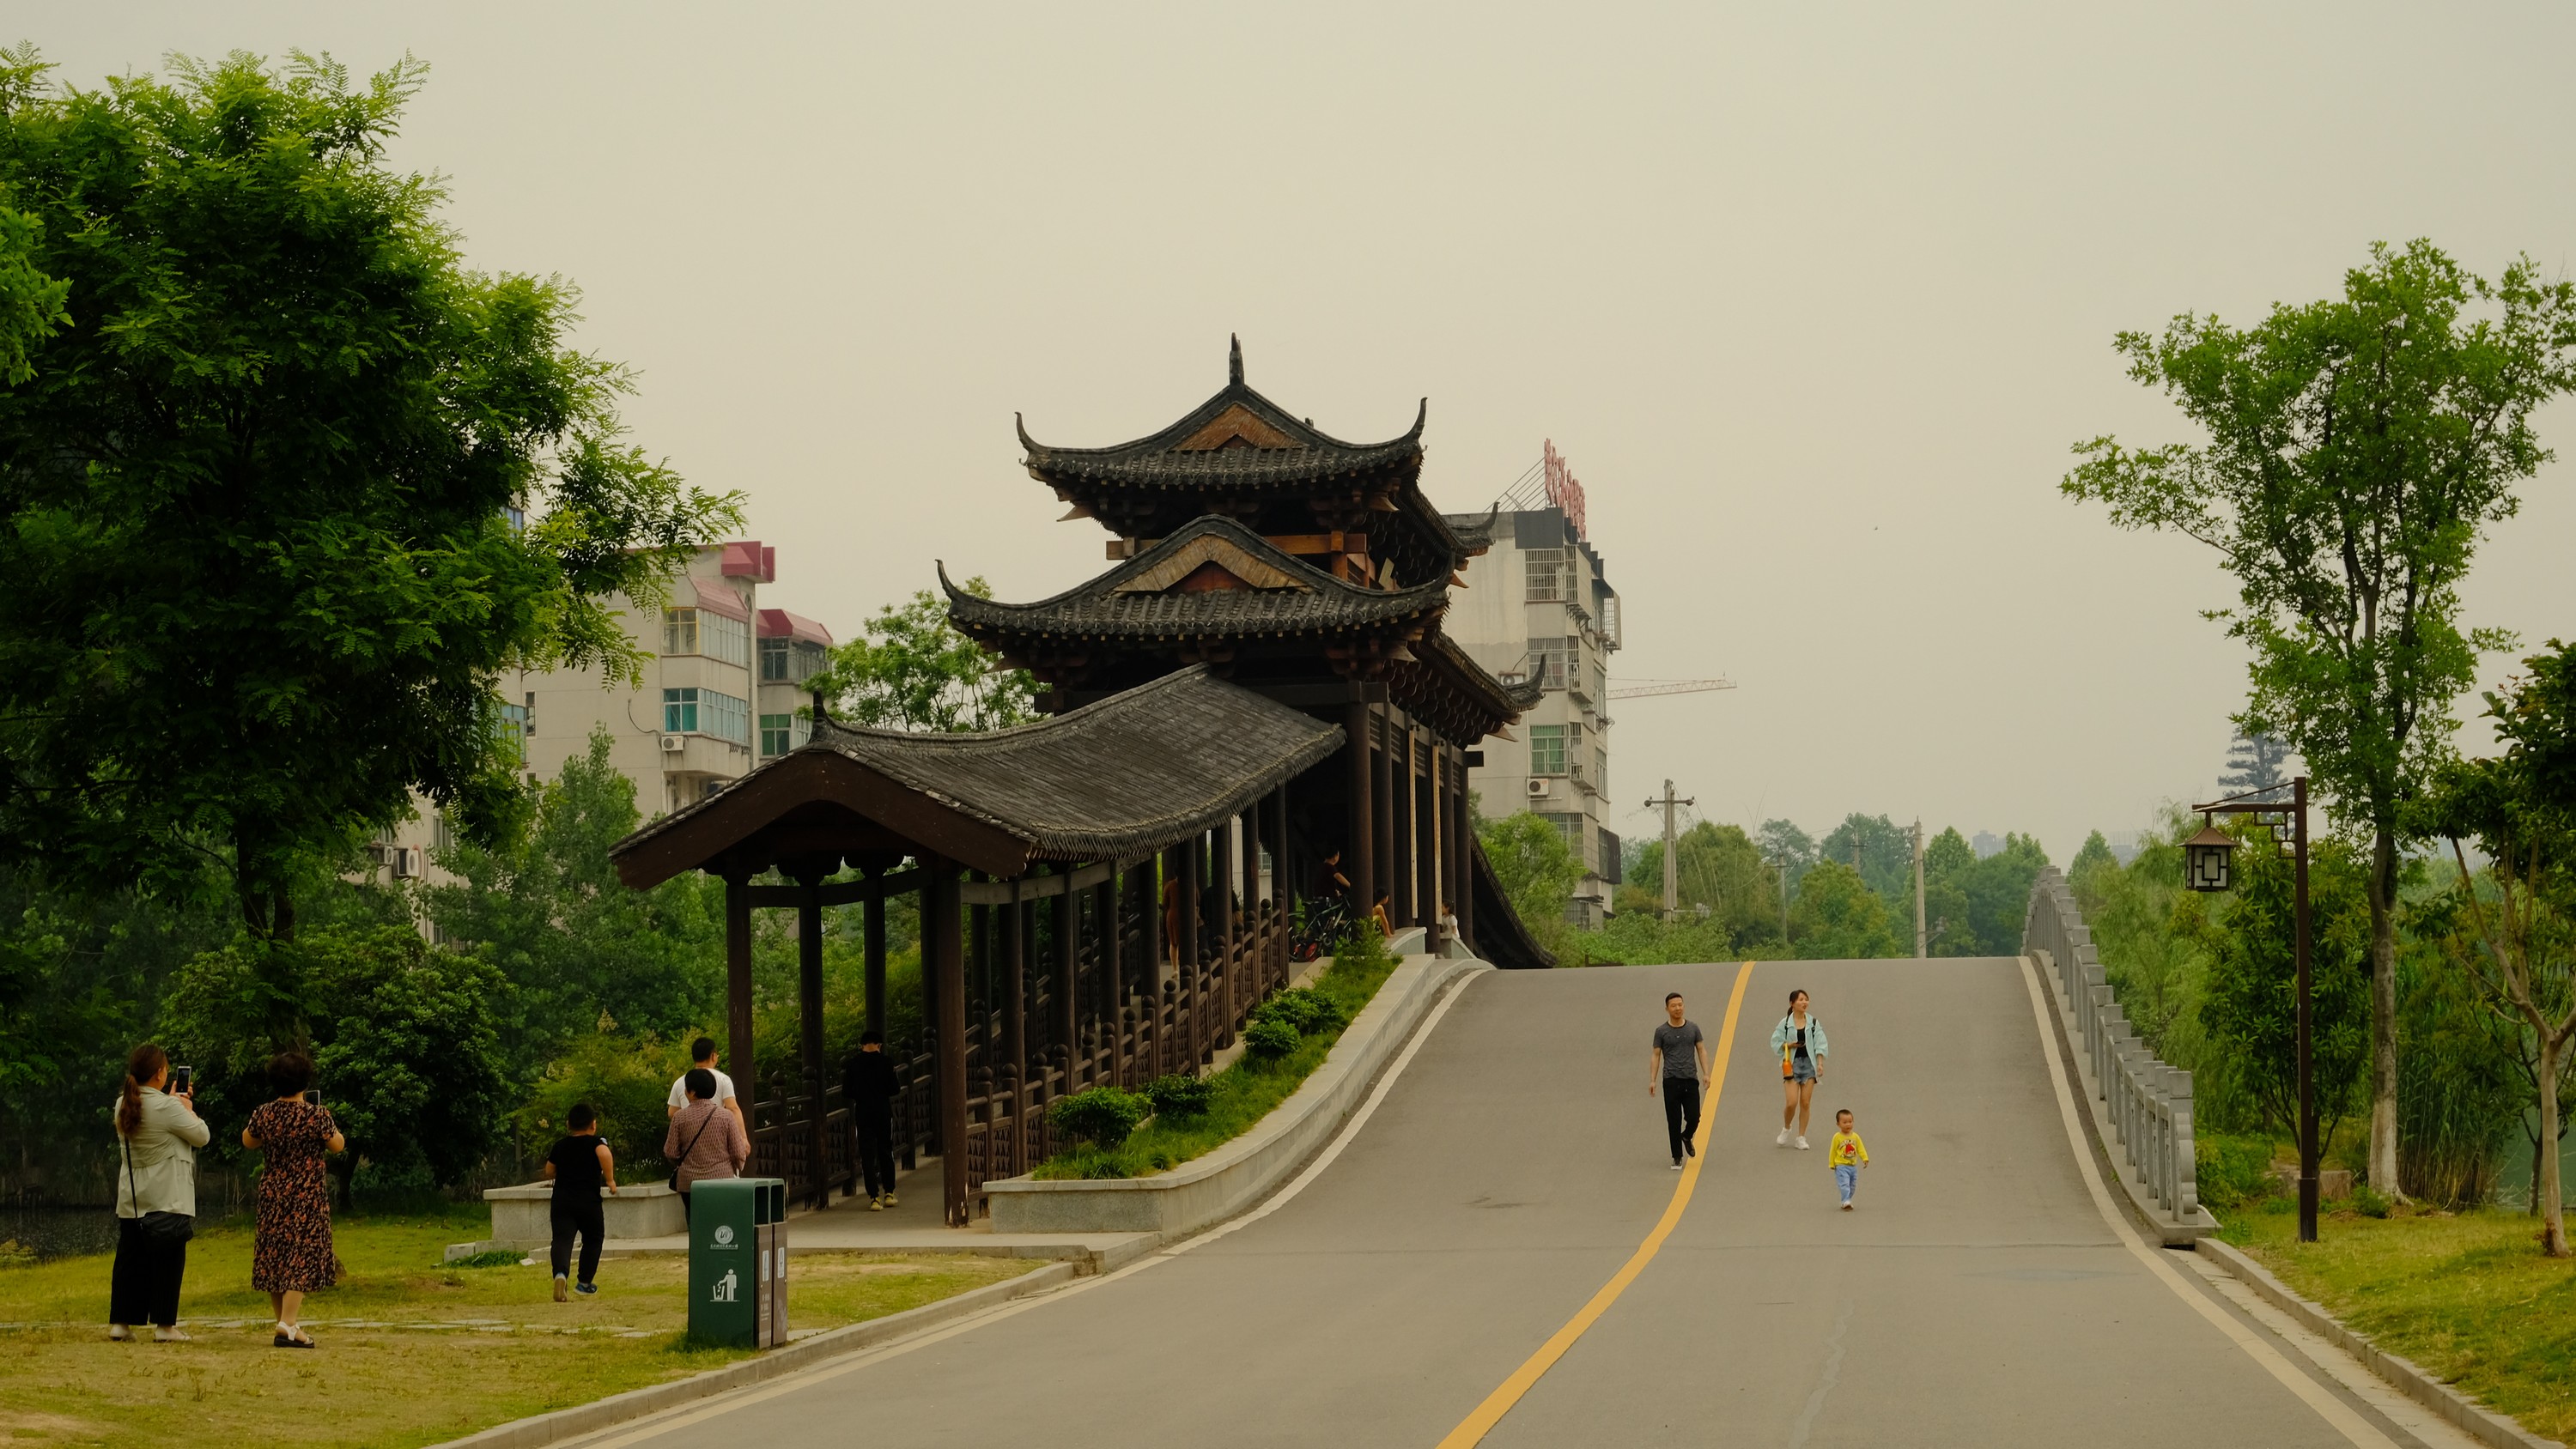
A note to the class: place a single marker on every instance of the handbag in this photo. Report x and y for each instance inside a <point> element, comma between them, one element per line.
<point>161,1230</point>
<point>673,1181</point>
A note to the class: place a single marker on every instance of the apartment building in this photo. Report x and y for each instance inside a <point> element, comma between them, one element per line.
<point>1539,605</point>
<point>719,694</point>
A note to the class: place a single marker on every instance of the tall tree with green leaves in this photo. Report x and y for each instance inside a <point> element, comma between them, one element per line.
<point>911,670</point>
<point>1838,917</point>
<point>1537,870</point>
<point>2519,810</point>
<point>2357,450</point>
<point>288,488</point>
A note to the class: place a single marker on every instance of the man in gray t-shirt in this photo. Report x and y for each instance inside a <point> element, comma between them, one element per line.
<point>1680,1063</point>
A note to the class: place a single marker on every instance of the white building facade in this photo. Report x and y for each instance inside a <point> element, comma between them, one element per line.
<point>1539,605</point>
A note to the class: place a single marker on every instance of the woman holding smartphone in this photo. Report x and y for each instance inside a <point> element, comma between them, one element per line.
<point>158,1133</point>
<point>291,1249</point>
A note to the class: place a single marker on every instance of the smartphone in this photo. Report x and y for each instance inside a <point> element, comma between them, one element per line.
<point>313,1095</point>
<point>181,1078</point>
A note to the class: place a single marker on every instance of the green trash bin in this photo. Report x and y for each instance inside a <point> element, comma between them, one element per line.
<point>738,1261</point>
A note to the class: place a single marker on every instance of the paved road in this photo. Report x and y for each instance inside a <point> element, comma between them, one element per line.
<point>1975,1298</point>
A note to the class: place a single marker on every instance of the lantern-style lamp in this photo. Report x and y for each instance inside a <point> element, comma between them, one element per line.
<point>2205,858</point>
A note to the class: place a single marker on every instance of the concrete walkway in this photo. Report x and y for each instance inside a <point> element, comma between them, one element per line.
<point>1977,1298</point>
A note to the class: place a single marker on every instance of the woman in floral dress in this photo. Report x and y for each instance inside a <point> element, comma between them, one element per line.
<point>291,1252</point>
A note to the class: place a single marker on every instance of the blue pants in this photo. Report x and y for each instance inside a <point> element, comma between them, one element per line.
<point>1847,1177</point>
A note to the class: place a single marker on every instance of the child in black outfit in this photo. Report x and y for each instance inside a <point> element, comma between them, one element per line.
<point>580,1165</point>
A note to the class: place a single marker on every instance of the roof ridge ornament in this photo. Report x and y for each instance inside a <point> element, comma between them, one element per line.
<point>1234,359</point>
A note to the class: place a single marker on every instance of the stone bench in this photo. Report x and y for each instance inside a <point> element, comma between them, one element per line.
<point>636,1210</point>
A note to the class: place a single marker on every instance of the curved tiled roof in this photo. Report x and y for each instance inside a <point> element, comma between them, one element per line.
<point>1097,609</point>
<point>1115,780</point>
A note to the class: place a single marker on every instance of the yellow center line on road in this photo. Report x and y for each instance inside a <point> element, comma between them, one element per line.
<point>1472,1429</point>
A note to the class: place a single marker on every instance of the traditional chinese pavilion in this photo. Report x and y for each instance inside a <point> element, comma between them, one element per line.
<point>1252,702</point>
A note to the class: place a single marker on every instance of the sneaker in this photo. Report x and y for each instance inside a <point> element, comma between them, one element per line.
<point>588,1289</point>
<point>560,1280</point>
<point>1846,1207</point>
<point>877,1204</point>
<point>889,1199</point>
<point>1677,1164</point>
<point>1783,1138</point>
<point>1802,1144</point>
<point>1690,1147</point>
<point>170,1335</point>
<point>119,1333</point>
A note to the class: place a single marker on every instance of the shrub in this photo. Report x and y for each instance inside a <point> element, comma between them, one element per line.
<point>1360,951</point>
<point>2231,1171</point>
<point>496,1258</point>
<point>626,1080</point>
<point>1270,1038</point>
<point>1180,1096</point>
<point>1304,1009</point>
<point>1102,1116</point>
<point>2369,1201</point>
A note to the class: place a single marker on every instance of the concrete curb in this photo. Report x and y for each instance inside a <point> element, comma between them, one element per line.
<point>2482,1424</point>
<point>1208,1190</point>
<point>2145,1212</point>
<point>572,1423</point>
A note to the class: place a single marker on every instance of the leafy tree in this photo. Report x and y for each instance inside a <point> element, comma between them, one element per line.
<point>2254,761</point>
<point>1717,866</point>
<point>911,670</point>
<point>2358,448</point>
<point>2520,810</point>
<point>1880,849</point>
<point>1838,917</point>
<point>2251,1010</point>
<point>1537,871</point>
<point>576,945</point>
<point>263,486</point>
<point>403,1043</point>
<point>31,303</point>
<point>2095,855</point>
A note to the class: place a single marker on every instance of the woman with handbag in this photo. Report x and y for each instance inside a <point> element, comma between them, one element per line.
<point>158,1133</point>
<point>704,1140</point>
<point>290,1252</point>
<point>1800,1041</point>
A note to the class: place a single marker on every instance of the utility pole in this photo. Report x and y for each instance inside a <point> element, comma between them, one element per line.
<point>1672,877</point>
<point>1921,940</point>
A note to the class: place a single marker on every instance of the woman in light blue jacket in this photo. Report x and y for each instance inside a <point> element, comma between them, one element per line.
<point>1800,1041</point>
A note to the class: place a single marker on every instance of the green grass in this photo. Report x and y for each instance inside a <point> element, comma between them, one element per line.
<point>451,1349</point>
<point>1245,1092</point>
<point>2465,1295</point>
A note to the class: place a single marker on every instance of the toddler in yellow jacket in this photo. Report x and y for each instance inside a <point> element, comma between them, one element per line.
<point>1847,1156</point>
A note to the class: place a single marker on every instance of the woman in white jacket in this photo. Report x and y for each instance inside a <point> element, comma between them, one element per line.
<point>158,1133</point>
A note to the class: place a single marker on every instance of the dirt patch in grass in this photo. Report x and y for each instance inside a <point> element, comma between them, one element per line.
<point>2467,1296</point>
<point>411,1352</point>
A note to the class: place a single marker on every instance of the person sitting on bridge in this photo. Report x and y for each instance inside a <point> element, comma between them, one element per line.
<point>1680,1063</point>
<point>1847,1155</point>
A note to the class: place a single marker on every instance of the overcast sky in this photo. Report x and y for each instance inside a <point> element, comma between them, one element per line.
<point>1814,297</point>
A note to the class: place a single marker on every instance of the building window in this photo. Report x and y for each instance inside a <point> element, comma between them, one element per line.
<point>790,661</point>
<point>1548,573</point>
<point>1610,620</point>
<point>679,631</point>
<point>1547,749</point>
<point>1569,825</point>
<point>1549,659</point>
<point>705,712</point>
<point>510,730</point>
<point>704,631</point>
<point>780,733</point>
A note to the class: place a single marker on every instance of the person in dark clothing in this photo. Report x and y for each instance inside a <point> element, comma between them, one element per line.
<point>580,1165</point>
<point>868,1083</point>
<point>1680,1064</point>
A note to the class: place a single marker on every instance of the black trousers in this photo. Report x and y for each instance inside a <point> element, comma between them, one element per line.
<point>143,1286</point>
<point>586,1219</point>
<point>876,1147</point>
<point>1681,1110</point>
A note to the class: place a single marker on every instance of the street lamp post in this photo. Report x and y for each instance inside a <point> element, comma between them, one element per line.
<point>2205,868</point>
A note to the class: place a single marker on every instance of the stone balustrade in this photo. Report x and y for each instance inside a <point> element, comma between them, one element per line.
<point>2145,1103</point>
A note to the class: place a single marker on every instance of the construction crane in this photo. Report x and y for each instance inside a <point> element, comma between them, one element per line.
<point>1670,686</point>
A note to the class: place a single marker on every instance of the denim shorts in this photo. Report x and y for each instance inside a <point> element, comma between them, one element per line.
<point>1803,1070</point>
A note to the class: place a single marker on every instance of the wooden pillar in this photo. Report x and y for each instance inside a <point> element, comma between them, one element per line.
<point>1068,982</point>
<point>942,935</point>
<point>1462,831</point>
<point>1383,822</point>
<point>1283,889</point>
<point>1149,904</point>
<point>809,1023</point>
<point>1104,931</point>
<point>1185,953</point>
<point>1406,820</point>
<point>1013,1075</point>
<point>1359,844</point>
<point>1435,859</point>
<point>1256,958</point>
<point>1228,931</point>
<point>1113,975</point>
<point>934,991</point>
<point>872,949</point>
<point>738,1043</point>
<point>1426,846</point>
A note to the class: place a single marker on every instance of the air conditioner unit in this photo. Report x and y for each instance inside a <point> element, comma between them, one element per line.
<point>673,744</point>
<point>405,860</point>
<point>1537,787</point>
